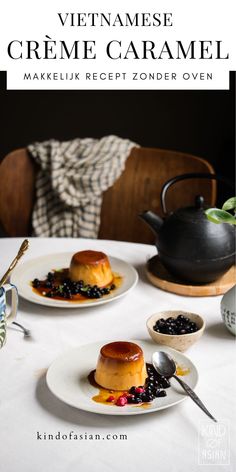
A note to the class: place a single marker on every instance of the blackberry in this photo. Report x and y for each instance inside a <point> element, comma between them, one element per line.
<point>50,276</point>
<point>180,325</point>
<point>146,399</point>
<point>165,383</point>
<point>36,283</point>
<point>105,291</point>
<point>161,393</point>
<point>48,284</point>
<point>150,384</point>
<point>96,295</point>
<point>137,400</point>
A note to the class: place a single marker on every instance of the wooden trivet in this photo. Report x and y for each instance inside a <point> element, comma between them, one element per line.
<point>161,278</point>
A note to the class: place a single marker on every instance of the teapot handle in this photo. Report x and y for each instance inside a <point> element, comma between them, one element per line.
<point>199,175</point>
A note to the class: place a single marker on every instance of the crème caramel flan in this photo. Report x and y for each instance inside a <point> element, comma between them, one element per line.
<point>120,366</point>
<point>92,267</point>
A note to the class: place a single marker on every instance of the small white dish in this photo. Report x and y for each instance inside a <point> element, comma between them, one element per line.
<point>67,380</point>
<point>39,267</point>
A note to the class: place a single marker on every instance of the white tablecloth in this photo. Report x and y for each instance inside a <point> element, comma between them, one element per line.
<point>171,440</point>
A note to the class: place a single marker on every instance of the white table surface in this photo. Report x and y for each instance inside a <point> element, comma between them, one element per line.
<point>164,441</point>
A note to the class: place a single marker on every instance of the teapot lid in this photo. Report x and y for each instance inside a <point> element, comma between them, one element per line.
<point>195,213</point>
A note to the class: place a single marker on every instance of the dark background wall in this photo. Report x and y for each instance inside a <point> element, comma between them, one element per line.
<point>198,122</point>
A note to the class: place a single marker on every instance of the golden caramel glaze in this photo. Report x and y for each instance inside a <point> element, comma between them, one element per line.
<point>89,257</point>
<point>122,351</point>
<point>92,267</point>
<point>120,366</point>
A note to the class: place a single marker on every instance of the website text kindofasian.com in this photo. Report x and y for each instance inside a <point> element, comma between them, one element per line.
<point>73,436</point>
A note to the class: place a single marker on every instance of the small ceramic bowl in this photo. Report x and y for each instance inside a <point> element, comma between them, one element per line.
<point>180,342</point>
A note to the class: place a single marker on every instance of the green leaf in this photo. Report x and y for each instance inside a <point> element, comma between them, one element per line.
<point>230,204</point>
<point>220,216</point>
<point>84,288</point>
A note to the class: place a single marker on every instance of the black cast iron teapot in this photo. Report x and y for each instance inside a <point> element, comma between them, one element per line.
<point>189,245</point>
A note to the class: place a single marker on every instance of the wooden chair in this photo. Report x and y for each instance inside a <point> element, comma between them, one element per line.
<point>137,189</point>
<point>17,183</point>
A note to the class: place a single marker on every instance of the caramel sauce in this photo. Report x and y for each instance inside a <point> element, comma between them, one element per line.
<point>104,393</point>
<point>144,405</point>
<point>181,370</point>
<point>62,274</point>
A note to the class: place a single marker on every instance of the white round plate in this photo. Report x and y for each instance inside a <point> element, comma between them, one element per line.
<point>39,267</point>
<point>67,380</point>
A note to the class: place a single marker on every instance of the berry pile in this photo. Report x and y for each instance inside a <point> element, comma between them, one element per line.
<point>153,388</point>
<point>62,287</point>
<point>179,325</point>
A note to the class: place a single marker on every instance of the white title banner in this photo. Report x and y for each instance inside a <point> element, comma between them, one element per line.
<point>122,45</point>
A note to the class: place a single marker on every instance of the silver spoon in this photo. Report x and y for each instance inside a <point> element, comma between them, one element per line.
<point>25,330</point>
<point>165,365</point>
<point>23,248</point>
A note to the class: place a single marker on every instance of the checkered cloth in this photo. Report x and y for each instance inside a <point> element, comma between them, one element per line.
<point>71,179</point>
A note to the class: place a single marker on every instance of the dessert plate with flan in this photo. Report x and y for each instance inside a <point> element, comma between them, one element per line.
<point>27,271</point>
<point>67,378</point>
